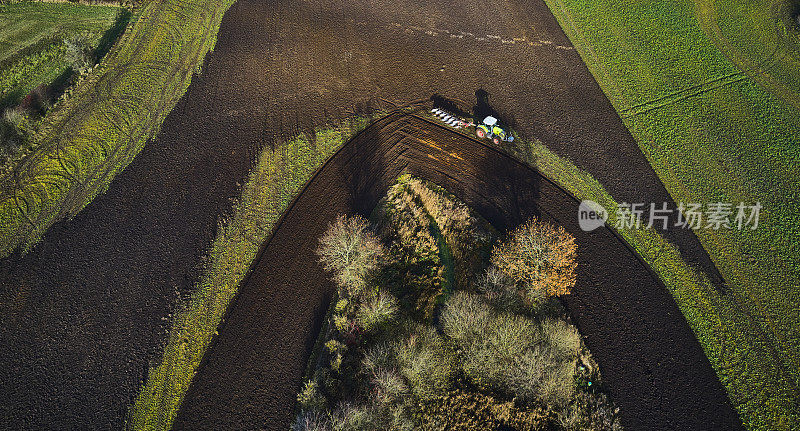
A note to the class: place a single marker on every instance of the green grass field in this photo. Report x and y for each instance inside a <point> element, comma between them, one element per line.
<point>32,50</point>
<point>109,117</point>
<point>272,184</point>
<point>713,135</point>
<point>761,37</point>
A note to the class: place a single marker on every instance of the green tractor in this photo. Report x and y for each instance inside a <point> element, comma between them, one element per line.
<point>489,129</point>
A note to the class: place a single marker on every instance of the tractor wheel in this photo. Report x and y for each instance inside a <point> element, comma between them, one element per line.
<point>480,133</point>
<point>496,140</point>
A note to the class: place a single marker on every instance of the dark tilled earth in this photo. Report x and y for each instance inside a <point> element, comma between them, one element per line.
<point>649,358</point>
<point>87,311</point>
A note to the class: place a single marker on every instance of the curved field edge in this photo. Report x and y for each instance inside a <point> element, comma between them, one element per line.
<point>108,119</point>
<point>267,195</point>
<point>718,138</point>
<point>277,178</point>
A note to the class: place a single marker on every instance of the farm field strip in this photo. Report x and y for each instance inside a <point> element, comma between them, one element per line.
<point>276,179</point>
<point>363,167</point>
<point>33,39</point>
<point>730,144</point>
<point>22,25</point>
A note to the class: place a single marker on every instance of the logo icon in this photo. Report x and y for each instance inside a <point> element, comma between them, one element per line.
<point>591,215</point>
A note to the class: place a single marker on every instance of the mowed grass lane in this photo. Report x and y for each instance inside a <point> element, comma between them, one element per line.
<point>713,135</point>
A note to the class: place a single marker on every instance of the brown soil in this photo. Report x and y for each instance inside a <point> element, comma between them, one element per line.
<point>86,312</point>
<point>649,357</point>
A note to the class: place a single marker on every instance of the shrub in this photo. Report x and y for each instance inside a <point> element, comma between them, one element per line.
<point>590,411</point>
<point>78,52</point>
<point>426,362</point>
<point>464,410</point>
<point>310,398</point>
<point>378,357</point>
<point>335,346</point>
<point>539,256</point>
<point>487,360</point>
<point>350,417</point>
<point>558,383</point>
<point>563,336</point>
<point>510,354</point>
<point>14,130</point>
<point>464,318</point>
<point>351,251</point>
<point>377,311</point>
<point>389,386</point>
<point>311,421</point>
<point>504,293</point>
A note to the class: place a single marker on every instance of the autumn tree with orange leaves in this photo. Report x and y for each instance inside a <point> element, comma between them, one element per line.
<point>540,257</point>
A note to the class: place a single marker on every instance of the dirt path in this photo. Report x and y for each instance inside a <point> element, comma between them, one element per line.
<point>85,313</point>
<point>650,359</point>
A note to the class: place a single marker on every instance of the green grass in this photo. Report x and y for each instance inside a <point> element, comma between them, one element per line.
<point>761,38</point>
<point>23,25</point>
<point>712,134</point>
<point>97,132</point>
<point>31,42</point>
<point>274,181</point>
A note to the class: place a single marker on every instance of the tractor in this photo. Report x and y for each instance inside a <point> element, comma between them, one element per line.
<point>489,129</point>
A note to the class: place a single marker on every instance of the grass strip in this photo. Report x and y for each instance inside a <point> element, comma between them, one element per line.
<point>712,134</point>
<point>109,117</point>
<point>33,34</point>
<point>25,26</point>
<point>732,342</point>
<point>275,180</point>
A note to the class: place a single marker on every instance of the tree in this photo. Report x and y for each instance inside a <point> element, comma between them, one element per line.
<point>540,257</point>
<point>351,251</point>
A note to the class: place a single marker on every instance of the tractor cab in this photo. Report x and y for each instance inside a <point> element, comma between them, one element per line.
<point>490,129</point>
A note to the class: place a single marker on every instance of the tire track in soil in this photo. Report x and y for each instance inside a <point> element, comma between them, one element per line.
<point>650,360</point>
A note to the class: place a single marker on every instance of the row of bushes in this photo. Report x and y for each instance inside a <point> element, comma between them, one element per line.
<point>497,351</point>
